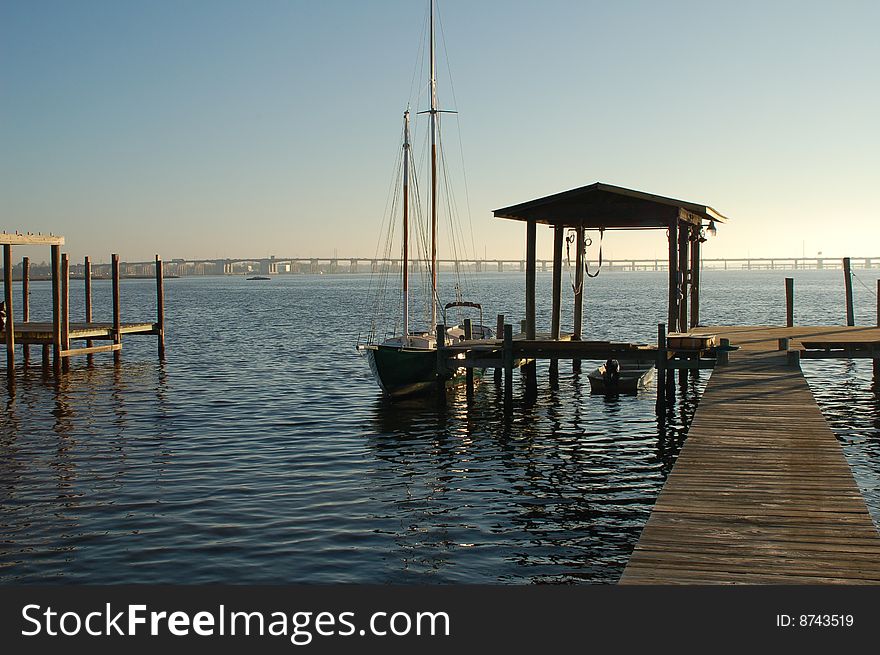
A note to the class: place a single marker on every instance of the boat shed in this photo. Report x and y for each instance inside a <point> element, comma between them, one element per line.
<point>606,207</point>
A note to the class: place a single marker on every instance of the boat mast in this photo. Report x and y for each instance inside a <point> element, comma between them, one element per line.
<point>433,113</point>
<point>405,226</point>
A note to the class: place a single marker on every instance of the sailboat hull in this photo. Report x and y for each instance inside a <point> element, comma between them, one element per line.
<point>403,371</point>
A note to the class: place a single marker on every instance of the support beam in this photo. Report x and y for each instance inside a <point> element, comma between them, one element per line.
<point>117,323</point>
<point>9,329</point>
<point>160,306</point>
<point>578,331</point>
<point>499,334</point>
<point>660,404</point>
<point>789,302</point>
<point>695,276</point>
<point>672,314</point>
<point>507,358</point>
<point>531,246</point>
<point>683,269</point>
<point>65,309</point>
<point>529,370</point>
<point>556,311</point>
<point>26,303</point>
<point>847,280</point>
<point>87,281</point>
<point>56,308</point>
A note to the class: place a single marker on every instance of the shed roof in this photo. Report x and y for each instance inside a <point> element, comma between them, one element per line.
<point>608,206</point>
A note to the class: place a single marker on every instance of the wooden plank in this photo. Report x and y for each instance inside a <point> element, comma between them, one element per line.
<point>91,350</point>
<point>15,239</point>
<point>761,492</point>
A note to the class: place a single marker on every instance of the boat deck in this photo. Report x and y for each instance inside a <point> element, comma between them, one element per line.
<point>761,492</point>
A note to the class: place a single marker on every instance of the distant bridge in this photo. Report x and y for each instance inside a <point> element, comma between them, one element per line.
<point>329,265</point>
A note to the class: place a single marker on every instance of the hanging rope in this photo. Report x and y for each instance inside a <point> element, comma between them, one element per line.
<point>870,290</point>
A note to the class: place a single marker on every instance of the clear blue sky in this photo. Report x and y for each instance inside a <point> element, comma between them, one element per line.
<point>203,128</point>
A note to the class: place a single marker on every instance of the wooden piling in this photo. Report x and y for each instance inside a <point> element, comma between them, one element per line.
<point>87,282</point>
<point>695,277</point>
<point>469,371</point>
<point>440,336</point>
<point>577,333</point>
<point>789,302</point>
<point>10,315</point>
<point>847,279</point>
<point>56,308</point>
<point>672,313</point>
<point>117,326</point>
<point>660,405</point>
<point>65,309</point>
<point>683,277</point>
<point>499,334</point>
<point>507,354</point>
<point>722,355</point>
<point>556,311</point>
<point>877,361</point>
<point>160,306</point>
<point>26,304</point>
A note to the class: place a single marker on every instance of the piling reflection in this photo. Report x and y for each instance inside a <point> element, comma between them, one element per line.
<point>565,483</point>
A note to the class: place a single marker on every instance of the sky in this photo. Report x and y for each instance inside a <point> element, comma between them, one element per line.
<point>218,128</point>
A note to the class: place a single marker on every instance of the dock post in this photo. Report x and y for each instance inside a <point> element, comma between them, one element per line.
<point>695,277</point>
<point>507,353</point>
<point>440,335</point>
<point>26,304</point>
<point>160,306</point>
<point>793,358</point>
<point>789,302</point>
<point>522,326</point>
<point>469,371</point>
<point>9,328</point>
<point>56,309</point>
<point>683,270</point>
<point>578,293</point>
<point>556,311</point>
<point>660,405</point>
<point>877,361</point>
<point>499,334</point>
<point>783,343</point>
<point>722,356</point>
<point>65,310</point>
<point>672,316</point>
<point>117,325</point>
<point>87,281</point>
<point>847,279</point>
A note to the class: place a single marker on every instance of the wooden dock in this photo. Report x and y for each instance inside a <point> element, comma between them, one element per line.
<point>59,334</point>
<point>761,492</point>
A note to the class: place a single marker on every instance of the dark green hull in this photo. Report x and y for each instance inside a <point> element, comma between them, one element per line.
<point>410,371</point>
<point>403,371</point>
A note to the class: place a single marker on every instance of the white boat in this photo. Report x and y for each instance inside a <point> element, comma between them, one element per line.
<point>613,378</point>
<point>406,362</point>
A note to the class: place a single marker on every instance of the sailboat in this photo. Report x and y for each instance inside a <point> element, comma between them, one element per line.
<point>406,363</point>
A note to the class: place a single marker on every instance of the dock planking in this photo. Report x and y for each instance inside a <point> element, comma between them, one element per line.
<point>761,492</point>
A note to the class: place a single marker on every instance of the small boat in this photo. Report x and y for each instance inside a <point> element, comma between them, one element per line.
<point>612,378</point>
<point>259,277</point>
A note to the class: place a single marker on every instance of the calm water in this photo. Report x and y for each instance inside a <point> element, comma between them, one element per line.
<point>262,452</point>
